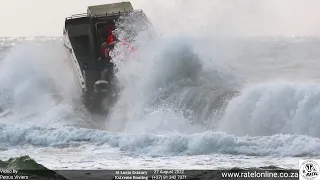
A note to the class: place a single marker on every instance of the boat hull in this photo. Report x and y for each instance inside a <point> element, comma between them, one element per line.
<point>73,62</point>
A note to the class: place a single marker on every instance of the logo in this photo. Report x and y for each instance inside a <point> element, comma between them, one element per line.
<point>309,169</point>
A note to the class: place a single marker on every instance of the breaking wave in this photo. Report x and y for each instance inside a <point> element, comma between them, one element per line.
<point>205,143</point>
<point>36,73</point>
<point>176,98</point>
<point>274,108</point>
<point>169,80</point>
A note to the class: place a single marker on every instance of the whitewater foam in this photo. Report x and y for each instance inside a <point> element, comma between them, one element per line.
<point>166,95</point>
<point>168,76</point>
<point>41,81</point>
<point>180,98</point>
<point>174,144</point>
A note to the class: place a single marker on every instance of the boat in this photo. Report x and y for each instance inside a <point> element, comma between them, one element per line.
<point>83,36</point>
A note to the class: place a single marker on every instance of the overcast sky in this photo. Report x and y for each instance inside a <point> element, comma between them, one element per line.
<point>218,17</point>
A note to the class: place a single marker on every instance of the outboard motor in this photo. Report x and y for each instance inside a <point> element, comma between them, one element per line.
<point>101,86</point>
<point>103,96</point>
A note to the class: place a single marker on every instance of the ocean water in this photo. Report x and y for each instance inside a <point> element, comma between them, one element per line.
<point>186,102</point>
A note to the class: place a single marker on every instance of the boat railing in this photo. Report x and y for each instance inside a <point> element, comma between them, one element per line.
<point>120,13</point>
<point>77,16</point>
